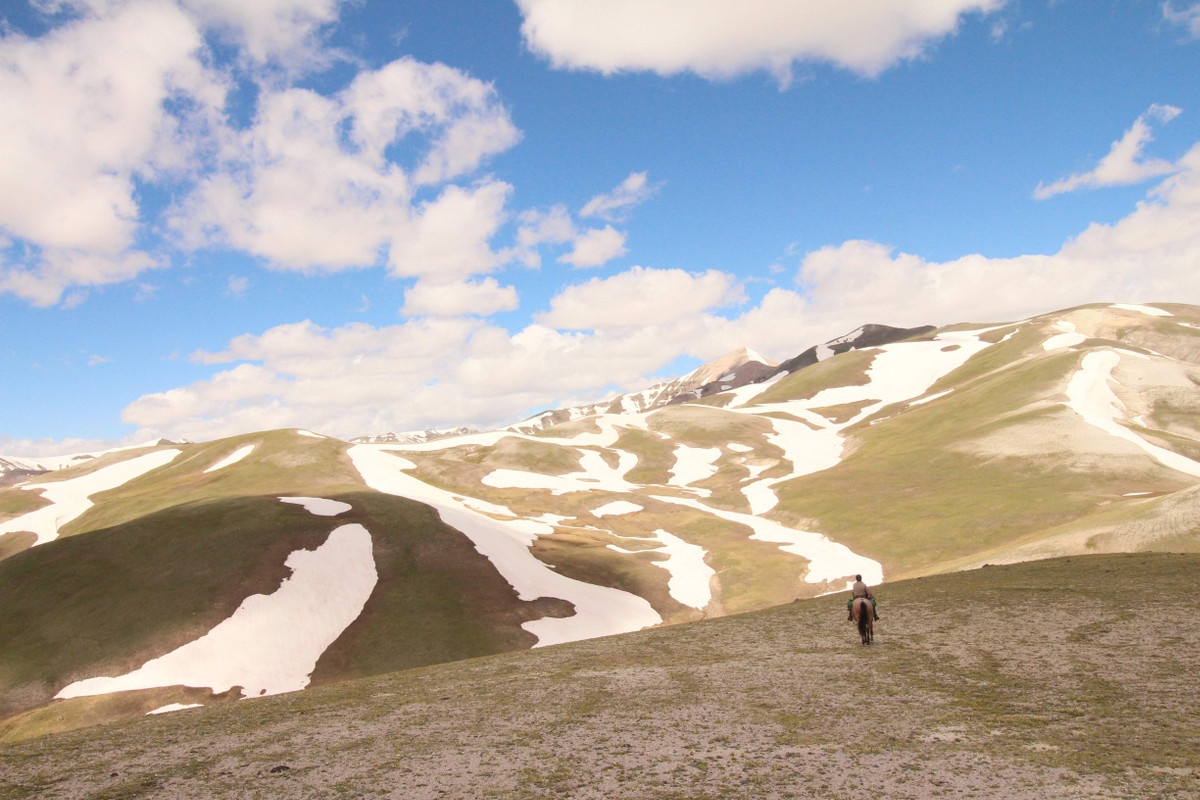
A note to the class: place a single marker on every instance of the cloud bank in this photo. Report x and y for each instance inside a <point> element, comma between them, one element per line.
<point>614,333</point>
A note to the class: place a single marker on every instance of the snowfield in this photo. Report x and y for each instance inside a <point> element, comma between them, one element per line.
<point>829,561</point>
<point>271,643</point>
<point>1090,396</point>
<point>319,506</point>
<point>232,458</point>
<point>616,508</point>
<point>691,576</point>
<point>599,610</point>
<point>898,373</point>
<point>69,499</point>
<point>692,465</point>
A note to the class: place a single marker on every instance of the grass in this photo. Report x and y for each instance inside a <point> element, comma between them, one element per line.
<point>845,369</point>
<point>1054,679</point>
<point>926,497</point>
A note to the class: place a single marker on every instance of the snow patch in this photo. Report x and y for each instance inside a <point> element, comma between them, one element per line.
<point>319,506</point>
<point>595,474</point>
<point>1147,310</point>
<point>930,398</point>
<point>828,560</point>
<point>69,499</point>
<point>1063,340</point>
<point>693,464</point>
<point>599,610</point>
<point>272,642</point>
<point>1090,396</point>
<point>232,458</point>
<point>616,508</point>
<point>173,707</point>
<point>898,372</point>
<point>690,581</point>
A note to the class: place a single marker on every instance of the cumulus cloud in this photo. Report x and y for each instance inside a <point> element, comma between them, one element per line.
<point>84,120</point>
<point>595,247</point>
<point>640,297</point>
<point>285,31</point>
<point>123,96</point>
<point>1125,163</point>
<point>723,38</point>
<point>268,200</point>
<point>465,298</point>
<point>1149,255</point>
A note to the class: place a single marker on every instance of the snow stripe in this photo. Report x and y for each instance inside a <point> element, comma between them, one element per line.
<point>1090,396</point>
<point>232,458</point>
<point>69,499</point>
<point>599,610</point>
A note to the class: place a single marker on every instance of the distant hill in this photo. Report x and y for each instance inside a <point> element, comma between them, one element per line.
<point>180,574</point>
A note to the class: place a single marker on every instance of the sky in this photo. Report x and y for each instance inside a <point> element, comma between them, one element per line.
<point>359,217</point>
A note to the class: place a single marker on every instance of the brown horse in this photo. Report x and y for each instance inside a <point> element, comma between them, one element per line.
<point>864,616</point>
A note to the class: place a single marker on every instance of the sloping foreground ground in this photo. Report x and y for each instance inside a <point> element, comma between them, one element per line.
<point>1066,678</point>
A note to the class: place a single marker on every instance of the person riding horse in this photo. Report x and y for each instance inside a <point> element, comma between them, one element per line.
<point>859,590</point>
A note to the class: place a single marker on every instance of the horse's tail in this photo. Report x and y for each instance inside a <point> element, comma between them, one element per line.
<point>863,611</point>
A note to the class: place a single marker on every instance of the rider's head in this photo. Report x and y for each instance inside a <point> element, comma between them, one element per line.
<point>858,577</point>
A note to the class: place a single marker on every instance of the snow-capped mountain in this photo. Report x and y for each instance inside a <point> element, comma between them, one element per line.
<point>317,560</point>
<point>414,437</point>
<point>738,368</point>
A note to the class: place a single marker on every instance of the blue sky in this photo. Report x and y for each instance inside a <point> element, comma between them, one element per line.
<point>363,217</point>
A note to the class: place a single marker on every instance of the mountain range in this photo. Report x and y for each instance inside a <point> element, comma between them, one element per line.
<point>175,574</point>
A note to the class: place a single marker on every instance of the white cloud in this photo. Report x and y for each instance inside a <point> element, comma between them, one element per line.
<point>722,38</point>
<point>1124,164</point>
<point>83,119</point>
<point>269,200</point>
<point>589,247</point>
<point>640,297</point>
<point>1187,17</point>
<point>466,298</point>
<point>615,205</point>
<point>1149,255</point>
<point>270,30</point>
<point>542,227</point>
<point>595,247</point>
<point>449,237</point>
<point>58,270</point>
<point>119,97</point>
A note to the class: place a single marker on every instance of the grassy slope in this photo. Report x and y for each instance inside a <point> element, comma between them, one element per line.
<point>925,500</point>
<point>163,559</point>
<point>1055,679</point>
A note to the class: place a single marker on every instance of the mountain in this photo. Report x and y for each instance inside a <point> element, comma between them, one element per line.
<point>129,583</point>
<point>414,437</point>
<point>732,371</point>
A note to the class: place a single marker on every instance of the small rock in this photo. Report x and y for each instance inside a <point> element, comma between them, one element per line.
<point>280,768</point>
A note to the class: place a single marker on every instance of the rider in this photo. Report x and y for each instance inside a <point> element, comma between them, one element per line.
<point>857,590</point>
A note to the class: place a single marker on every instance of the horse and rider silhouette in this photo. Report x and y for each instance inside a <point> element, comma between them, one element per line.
<point>861,609</point>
